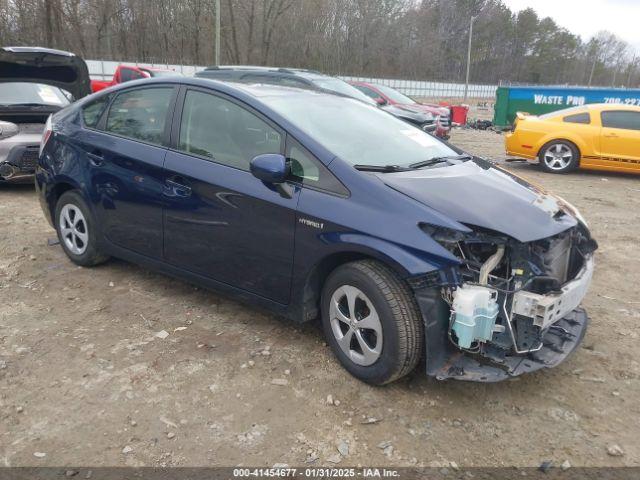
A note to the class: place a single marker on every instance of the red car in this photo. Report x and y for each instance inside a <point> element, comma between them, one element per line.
<point>126,73</point>
<point>384,95</point>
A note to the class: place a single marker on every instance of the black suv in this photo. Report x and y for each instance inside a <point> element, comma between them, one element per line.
<point>310,79</point>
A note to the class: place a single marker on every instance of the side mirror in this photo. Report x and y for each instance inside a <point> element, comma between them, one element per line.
<point>381,101</point>
<point>270,168</point>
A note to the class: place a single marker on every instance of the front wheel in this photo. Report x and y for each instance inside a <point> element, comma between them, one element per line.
<point>371,321</point>
<point>559,156</point>
<point>76,230</point>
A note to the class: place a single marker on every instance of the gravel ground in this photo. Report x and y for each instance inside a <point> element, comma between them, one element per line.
<point>87,380</point>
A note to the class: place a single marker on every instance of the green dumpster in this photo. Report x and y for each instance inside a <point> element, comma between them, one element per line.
<point>539,100</point>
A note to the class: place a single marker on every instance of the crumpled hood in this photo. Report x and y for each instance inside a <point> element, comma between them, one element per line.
<point>477,193</point>
<point>44,65</point>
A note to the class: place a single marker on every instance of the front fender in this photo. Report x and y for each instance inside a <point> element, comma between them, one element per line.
<point>407,262</point>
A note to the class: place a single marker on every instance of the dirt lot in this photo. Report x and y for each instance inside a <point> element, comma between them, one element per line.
<point>85,381</point>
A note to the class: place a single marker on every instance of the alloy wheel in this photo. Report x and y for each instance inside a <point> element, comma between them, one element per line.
<point>558,156</point>
<point>356,325</point>
<point>73,229</point>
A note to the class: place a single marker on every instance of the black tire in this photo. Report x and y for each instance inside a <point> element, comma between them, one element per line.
<point>563,146</point>
<point>400,319</point>
<point>90,254</point>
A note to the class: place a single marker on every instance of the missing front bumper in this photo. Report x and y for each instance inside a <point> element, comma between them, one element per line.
<point>559,342</point>
<point>445,361</point>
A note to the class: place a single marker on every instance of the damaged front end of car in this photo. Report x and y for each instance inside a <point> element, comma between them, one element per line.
<point>509,307</point>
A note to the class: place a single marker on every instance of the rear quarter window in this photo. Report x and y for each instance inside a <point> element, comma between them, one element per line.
<point>92,112</point>
<point>584,118</point>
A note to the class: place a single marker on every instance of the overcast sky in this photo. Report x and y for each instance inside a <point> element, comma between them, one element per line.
<point>587,17</point>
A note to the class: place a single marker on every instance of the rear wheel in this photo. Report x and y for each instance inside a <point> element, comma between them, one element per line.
<point>371,321</point>
<point>559,156</point>
<point>76,232</point>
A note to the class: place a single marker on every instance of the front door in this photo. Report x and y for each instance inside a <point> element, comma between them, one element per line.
<point>125,154</point>
<point>620,139</point>
<point>220,221</point>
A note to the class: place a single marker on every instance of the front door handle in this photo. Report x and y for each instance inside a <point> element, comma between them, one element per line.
<point>611,135</point>
<point>96,158</point>
<point>175,187</point>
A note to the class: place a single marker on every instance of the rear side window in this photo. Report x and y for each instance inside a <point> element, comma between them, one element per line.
<point>578,118</point>
<point>621,119</point>
<point>220,130</point>
<point>140,114</point>
<point>311,172</point>
<point>92,112</point>
<point>127,74</point>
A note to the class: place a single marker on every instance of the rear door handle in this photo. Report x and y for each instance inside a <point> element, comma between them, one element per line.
<point>175,187</point>
<point>96,158</point>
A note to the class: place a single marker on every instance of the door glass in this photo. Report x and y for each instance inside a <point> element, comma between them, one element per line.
<point>92,112</point>
<point>222,131</point>
<point>140,114</point>
<point>621,119</point>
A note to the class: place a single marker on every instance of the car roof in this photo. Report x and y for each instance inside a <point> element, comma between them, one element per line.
<point>305,73</point>
<point>253,90</point>
<point>50,51</point>
<point>591,107</point>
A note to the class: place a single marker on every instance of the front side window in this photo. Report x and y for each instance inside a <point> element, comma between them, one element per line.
<point>140,114</point>
<point>220,130</point>
<point>92,111</point>
<point>578,118</point>
<point>311,172</point>
<point>623,119</point>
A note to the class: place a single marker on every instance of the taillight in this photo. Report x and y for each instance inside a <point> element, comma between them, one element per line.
<point>48,130</point>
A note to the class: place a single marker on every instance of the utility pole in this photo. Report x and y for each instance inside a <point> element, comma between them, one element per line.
<point>466,83</point>
<point>217,54</point>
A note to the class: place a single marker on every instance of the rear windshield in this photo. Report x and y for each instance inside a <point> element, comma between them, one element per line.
<point>395,95</point>
<point>23,93</point>
<point>339,86</point>
<point>358,133</point>
<point>558,113</point>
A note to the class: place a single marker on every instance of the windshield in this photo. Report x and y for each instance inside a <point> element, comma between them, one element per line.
<point>339,86</point>
<point>20,93</point>
<point>395,95</point>
<point>357,133</point>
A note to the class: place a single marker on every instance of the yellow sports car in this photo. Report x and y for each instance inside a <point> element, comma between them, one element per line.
<point>598,136</point>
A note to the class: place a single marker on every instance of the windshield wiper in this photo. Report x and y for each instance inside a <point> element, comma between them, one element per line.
<point>434,160</point>
<point>380,168</point>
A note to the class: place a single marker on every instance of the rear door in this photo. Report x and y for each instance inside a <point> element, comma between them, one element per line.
<point>125,153</point>
<point>220,221</point>
<point>620,139</point>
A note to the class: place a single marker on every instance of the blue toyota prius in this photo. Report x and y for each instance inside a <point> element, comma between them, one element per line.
<point>318,206</point>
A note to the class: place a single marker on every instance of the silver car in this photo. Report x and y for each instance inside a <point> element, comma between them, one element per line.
<point>34,83</point>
